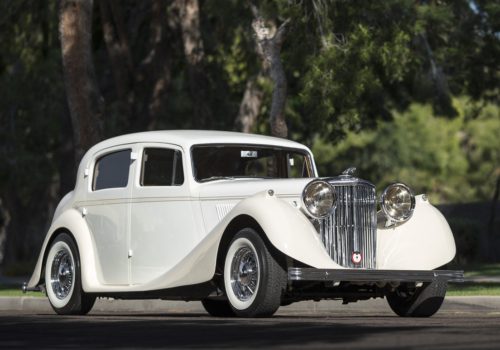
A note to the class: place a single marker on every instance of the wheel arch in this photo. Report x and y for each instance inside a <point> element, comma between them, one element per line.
<point>283,227</point>
<point>51,240</point>
<point>237,224</point>
<point>72,223</point>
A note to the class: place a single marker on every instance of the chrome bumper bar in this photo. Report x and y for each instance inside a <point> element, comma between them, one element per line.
<point>364,275</point>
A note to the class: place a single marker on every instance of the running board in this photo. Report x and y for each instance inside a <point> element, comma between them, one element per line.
<point>365,275</point>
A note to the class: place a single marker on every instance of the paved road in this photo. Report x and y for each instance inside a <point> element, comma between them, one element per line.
<point>457,330</point>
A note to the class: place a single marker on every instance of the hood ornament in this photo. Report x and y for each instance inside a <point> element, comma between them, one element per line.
<point>349,171</point>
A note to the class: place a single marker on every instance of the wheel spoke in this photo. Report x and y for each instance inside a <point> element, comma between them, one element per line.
<point>244,273</point>
<point>62,274</point>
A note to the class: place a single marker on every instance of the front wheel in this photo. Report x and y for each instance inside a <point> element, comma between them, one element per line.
<point>63,279</point>
<point>418,302</point>
<point>254,281</point>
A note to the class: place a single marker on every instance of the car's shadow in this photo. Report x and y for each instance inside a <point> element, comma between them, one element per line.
<point>196,330</point>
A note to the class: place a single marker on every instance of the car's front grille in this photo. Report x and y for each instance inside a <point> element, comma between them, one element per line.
<point>353,226</point>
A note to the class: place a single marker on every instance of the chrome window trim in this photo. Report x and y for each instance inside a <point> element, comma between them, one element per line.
<point>249,145</point>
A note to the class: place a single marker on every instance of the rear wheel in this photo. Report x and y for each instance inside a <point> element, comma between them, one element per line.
<point>418,302</point>
<point>63,279</point>
<point>254,281</point>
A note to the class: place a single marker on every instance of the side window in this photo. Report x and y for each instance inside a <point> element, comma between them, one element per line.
<point>297,166</point>
<point>111,170</point>
<point>161,167</point>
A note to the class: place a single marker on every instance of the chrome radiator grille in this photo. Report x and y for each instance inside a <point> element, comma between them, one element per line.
<point>353,226</point>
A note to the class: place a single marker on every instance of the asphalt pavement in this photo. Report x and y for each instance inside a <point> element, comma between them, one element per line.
<point>153,330</point>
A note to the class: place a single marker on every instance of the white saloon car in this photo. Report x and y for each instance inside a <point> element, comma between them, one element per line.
<point>241,223</point>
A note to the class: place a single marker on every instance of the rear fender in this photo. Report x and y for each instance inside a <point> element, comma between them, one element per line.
<point>71,222</point>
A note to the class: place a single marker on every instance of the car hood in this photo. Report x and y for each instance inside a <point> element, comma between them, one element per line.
<point>246,188</point>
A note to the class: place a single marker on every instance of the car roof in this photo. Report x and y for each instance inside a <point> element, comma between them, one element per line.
<point>188,138</point>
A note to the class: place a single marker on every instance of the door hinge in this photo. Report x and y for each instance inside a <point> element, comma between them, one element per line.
<point>130,253</point>
<point>84,211</point>
<point>86,173</point>
<point>133,155</point>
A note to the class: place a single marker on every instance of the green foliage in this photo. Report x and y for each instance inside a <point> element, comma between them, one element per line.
<point>31,86</point>
<point>471,270</point>
<point>403,90</point>
<point>473,288</point>
<point>348,80</point>
<point>448,159</point>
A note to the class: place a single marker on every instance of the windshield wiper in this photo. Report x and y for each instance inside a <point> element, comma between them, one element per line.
<point>218,178</point>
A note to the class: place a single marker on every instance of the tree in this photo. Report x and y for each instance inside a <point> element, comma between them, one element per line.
<point>271,50</point>
<point>85,102</point>
<point>348,69</point>
<point>195,57</point>
<point>120,56</point>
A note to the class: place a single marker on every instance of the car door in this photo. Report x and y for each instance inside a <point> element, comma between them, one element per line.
<point>107,206</point>
<point>162,224</point>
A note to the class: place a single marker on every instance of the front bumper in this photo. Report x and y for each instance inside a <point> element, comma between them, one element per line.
<point>365,275</point>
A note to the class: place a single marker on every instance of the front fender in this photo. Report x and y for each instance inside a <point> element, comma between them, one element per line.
<point>425,242</point>
<point>285,226</point>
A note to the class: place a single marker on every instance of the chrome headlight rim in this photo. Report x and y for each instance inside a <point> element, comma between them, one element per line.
<point>334,204</point>
<point>412,203</point>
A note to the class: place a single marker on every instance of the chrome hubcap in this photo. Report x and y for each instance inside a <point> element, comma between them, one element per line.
<point>61,274</point>
<point>244,273</point>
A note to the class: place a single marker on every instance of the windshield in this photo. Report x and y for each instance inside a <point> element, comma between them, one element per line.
<point>236,161</point>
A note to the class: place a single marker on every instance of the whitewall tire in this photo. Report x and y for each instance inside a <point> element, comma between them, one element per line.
<point>253,279</point>
<point>63,278</point>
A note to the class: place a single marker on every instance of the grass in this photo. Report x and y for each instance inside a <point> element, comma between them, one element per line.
<point>473,288</point>
<point>491,270</point>
<point>14,290</point>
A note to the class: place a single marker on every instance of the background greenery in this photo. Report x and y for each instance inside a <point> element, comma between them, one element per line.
<point>402,90</point>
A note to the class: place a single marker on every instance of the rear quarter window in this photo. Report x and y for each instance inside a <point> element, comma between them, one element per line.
<point>112,170</point>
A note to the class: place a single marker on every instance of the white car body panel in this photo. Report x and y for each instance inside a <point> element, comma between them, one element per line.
<point>106,217</point>
<point>174,233</point>
<point>424,242</point>
<point>162,227</point>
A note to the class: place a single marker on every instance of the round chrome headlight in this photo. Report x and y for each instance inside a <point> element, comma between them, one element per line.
<point>398,202</point>
<point>319,198</point>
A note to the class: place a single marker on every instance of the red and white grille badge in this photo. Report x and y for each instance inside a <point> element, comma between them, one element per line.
<point>357,257</point>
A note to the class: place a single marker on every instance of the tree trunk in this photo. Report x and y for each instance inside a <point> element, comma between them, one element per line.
<point>250,105</point>
<point>120,56</point>
<point>66,156</point>
<point>271,49</point>
<point>85,102</point>
<point>162,63</point>
<point>195,56</point>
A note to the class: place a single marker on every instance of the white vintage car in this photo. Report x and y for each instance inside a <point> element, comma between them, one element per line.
<point>241,222</point>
